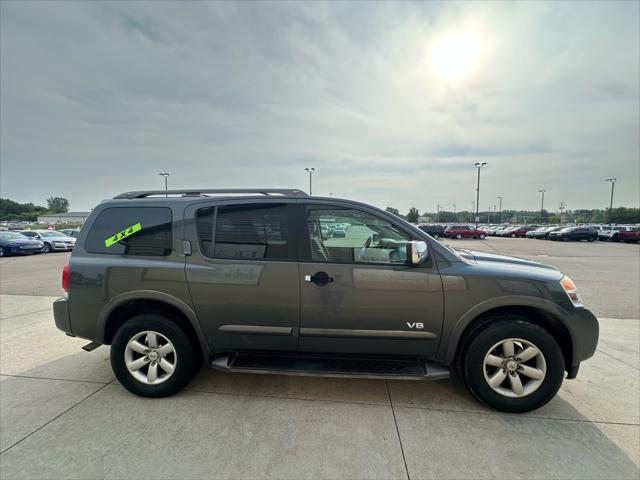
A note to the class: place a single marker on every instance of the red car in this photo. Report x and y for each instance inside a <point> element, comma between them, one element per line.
<point>632,235</point>
<point>522,231</point>
<point>464,231</point>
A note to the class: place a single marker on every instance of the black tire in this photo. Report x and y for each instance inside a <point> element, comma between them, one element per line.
<point>3,253</point>
<point>479,341</point>
<point>46,248</point>
<point>186,364</point>
<point>458,236</point>
<point>436,235</point>
<point>482,236</point>
<point>513,235</point>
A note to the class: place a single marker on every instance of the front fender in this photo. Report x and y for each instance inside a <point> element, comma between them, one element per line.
<point>448,349</point>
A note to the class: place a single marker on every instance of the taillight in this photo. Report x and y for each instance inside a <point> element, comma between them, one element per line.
<point>65,278</point>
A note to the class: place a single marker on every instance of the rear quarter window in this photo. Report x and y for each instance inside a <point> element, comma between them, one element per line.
<point>139,231</point>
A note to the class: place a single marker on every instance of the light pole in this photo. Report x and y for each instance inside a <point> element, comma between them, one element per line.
<point>438,213</point>
<point>613,183</point>
<point>165,175</point>
<point>473,210</point>
<point>330,194</point>
<point>542,204</point>
<point>310,170</point>
<point>500,212</point>
<point>478,165</point>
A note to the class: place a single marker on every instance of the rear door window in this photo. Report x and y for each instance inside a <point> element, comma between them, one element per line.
<point>247,232</point>
<point>139,231</point>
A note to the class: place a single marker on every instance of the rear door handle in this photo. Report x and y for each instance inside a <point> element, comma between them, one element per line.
<point>320,278</point>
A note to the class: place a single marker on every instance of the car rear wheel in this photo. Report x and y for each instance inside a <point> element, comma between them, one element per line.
<point>152,356</point>
<point>482,236</point>
<point>46,248</point>
<point>458,236</point>
<point>512,365</point>
<point>513,235</point>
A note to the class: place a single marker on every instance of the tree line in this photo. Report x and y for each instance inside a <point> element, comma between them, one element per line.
<point>10,210</point>
<point>621,215</point>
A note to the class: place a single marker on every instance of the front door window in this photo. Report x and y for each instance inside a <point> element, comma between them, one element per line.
<point>345,235</point>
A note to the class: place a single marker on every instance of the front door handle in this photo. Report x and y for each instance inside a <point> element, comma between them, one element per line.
<point>320,279</point>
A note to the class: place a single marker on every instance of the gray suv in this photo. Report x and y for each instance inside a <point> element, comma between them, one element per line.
<point>251,281</point>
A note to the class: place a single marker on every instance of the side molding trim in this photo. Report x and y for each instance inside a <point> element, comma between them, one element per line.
<point>345,332</point>
<point>256,330</point>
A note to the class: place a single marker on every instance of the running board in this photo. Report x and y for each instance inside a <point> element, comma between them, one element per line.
<point>344,367</point>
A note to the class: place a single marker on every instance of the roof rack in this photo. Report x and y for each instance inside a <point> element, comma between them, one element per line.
<point>204,192</point>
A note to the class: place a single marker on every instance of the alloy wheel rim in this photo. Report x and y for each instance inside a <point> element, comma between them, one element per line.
<point>514,368</point>
<point>150,357</point>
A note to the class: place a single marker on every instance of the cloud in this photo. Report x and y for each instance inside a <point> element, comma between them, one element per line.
<point>98,97</point>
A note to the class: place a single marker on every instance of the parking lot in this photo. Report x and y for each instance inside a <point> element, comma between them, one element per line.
<point>62,414</point>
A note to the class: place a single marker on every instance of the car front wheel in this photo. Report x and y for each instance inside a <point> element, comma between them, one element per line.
<point>152,356</point>
<point>512,365</point>
<point>482,236</point>
<point>458,236</point>
<point>46,248</point>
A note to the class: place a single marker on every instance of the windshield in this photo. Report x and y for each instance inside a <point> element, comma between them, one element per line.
<point>12,236</point>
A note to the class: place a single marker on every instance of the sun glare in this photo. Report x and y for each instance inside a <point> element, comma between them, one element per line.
<point>455,55</point>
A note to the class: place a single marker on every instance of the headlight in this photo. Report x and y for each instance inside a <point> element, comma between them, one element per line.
<point>572,291</point>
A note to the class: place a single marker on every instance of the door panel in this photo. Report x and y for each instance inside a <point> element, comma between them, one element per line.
<point>372,303</point>
<point>243,276</point>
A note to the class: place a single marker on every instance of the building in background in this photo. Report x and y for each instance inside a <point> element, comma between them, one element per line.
<point>68,217</point>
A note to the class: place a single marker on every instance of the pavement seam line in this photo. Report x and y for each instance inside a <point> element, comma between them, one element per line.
<point>27,313</point>
<point>616,358</point>
<point>55,379</point>
<point>52,420</point>
<point>395,421</point>
<point>529,417</point>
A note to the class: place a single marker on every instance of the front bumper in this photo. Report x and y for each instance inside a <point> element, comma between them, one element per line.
<point>61,315</point>
<point>584,330</point>
<point>23,251</point>
<point>62,247</point>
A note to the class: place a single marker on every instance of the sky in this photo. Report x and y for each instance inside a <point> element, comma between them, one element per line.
<point>97,98</point>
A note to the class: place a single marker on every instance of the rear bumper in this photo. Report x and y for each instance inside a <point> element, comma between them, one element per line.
<point>61,315</point>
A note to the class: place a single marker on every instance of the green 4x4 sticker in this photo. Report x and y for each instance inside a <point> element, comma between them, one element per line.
<point>127,232</point>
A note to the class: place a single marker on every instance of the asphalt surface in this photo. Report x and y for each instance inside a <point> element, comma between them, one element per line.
<point>63,415</point>
<point>607,274</point>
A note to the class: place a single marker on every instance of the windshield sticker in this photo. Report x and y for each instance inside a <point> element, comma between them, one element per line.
<point>127,232</point>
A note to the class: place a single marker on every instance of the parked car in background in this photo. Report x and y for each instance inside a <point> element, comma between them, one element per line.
<point>339,233</point>
<point>631,235</point>
<point>612,233</point>
<point>464,231</point>
<point>521,230</point>
<point>543,232</point>
<point>70,232</point>
<point>53,241</point>
<point>574,233</point>
<point>436,231</point>
<point>13,243</point>
<point>506,232</point>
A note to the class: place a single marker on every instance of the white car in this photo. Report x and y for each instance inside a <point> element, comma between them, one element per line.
<point>53,241</point>
<point>611,233</point>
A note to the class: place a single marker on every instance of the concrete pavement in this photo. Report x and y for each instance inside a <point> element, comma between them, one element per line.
<point>62,415</point>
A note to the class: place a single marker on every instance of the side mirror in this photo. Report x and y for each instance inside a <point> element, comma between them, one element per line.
<point>417,252</point>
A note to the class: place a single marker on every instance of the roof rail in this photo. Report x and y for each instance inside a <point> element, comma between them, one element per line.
<point>203,192</point>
